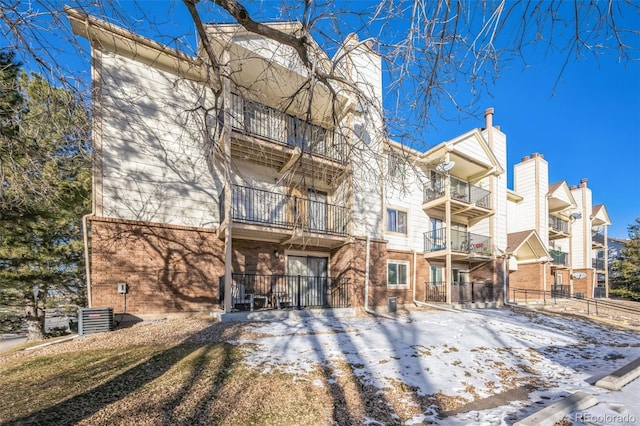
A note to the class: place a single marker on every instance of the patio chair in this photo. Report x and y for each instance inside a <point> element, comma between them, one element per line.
<point>281,296</point>
<point>240,299</point>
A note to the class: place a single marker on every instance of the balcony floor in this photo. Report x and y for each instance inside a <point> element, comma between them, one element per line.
<point>279,156</point>
<point>459,209</point>
<point>283,235</point>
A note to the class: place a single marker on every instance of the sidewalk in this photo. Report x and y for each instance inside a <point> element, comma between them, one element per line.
<point>8,341</point>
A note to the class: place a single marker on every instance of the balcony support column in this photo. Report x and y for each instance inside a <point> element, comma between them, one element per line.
<point>226,160</point>
<point>605,259</point>
<point>447,230</point>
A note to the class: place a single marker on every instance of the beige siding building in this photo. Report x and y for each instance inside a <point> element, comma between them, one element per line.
<point>254,189</point>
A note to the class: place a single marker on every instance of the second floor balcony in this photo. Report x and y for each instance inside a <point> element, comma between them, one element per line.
<point>597,238</point>
<point>559,258</point>
<point>272,216</point>
<point>467,200</point>
<point>558,228</point>
<point>463,244</point>
<point>598,264</point>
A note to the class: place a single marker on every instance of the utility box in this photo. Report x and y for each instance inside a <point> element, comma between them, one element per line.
<point>392,304</point>
<point>94,320</point>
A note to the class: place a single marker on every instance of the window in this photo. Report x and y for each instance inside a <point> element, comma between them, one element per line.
<point>396,221</point>
<point>397,273</point>
<point>397,165</point>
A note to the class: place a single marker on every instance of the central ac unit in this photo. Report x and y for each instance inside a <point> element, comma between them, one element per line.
<point>94,320</point>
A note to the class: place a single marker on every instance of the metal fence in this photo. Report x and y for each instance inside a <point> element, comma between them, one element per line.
<point>559,225</point>
<point>461,241</point>
<point>260,120</point>
<point>461,292</point>
<point>265,291</point>
<point>269,208</point>
<point>435,292</point>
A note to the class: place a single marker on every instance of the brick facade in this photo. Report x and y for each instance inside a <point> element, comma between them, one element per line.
<point>584,285</point>
<point>166,268</point>
<point>530,277</point>
<point>177,269</point>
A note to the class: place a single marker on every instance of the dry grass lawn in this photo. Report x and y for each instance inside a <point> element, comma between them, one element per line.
<point>184,372</point>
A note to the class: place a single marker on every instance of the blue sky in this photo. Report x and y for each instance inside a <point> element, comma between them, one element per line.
<point>587,124</point>
<point>589,129</point>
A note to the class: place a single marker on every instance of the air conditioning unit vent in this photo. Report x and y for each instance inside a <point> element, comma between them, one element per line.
<point>94,320</point>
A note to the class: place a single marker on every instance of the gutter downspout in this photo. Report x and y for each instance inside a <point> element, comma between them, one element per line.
<point>505,277</point>
<point>366,275</point>
<point>87,265</point>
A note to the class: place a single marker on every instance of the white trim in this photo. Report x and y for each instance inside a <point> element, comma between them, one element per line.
<point>404,210</point>
<point>400,262</point>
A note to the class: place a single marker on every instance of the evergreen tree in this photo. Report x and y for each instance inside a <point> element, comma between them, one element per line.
<point>44,168</point>
<point>626,269</point>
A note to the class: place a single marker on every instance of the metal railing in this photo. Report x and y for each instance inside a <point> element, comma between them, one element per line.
<point>465,292</point>
<point>597,264</point>
<point>461,292</point>
<point>435,292</point>
<point>559,257</point>
<point>560,291</point>
<point>258,206</point>
<point>558,224</point>
<point>557,292</point>
<point>597,238</point>
<point>461,241</point>
<point>264,291</point>
<point>263,121</point>
<point>460,190</point>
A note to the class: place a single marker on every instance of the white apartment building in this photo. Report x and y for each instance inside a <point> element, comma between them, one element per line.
<point>566,235</point>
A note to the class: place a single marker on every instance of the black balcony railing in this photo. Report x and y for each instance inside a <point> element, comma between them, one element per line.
<point>599,292</point>
<point>597,238</point>
<point>260,120</point>
<point>560,291</point>
<point>465,292</point>
<point>257,206</point>
<point>461,292</point>
<point>559,258</point>
<point>597,264</point>
<point>558,225</point>
<point>464,191</point>
<point>461,241</point>
<point>260,291</point>
<point>460,190</point>
<point>435,292</point>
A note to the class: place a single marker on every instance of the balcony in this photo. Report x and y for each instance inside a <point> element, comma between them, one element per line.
<point>264,291</point>
<point>558,228</point>
<point>463,245</point>
<point>461,292</point>
<point>270,216</point>
<point>467,200</point>
<point>597,239</point>
<point>598,264</point>
<point>559,258</point>
<point>264,135</point>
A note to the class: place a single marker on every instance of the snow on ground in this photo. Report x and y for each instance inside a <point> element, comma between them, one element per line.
<point>469,354</point>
